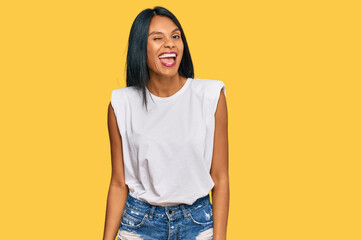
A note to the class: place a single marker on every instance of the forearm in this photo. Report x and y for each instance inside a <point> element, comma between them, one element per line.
<point>117,197</point>
<point>220,202</point>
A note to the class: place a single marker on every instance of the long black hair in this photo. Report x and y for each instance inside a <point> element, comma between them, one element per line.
<point>137,68</point>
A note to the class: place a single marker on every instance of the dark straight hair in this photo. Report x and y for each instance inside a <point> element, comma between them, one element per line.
<point>137,68</point>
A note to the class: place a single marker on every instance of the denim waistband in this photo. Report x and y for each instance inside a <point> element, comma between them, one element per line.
<point>173,210</point>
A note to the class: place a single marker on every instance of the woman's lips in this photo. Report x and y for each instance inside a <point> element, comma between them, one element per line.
<point>168,61</point>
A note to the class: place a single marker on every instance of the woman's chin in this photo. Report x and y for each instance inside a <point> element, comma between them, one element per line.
<point>168,72</point>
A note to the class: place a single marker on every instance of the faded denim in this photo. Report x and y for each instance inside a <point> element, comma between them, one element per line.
<point>141,220</point>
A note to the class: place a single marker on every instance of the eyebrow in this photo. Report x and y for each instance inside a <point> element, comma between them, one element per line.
<point>177,29</point>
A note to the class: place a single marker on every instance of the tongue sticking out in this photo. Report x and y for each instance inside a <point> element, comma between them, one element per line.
<point>167,60</point>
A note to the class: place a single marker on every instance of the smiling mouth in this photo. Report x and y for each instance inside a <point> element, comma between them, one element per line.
<point>168,60</point>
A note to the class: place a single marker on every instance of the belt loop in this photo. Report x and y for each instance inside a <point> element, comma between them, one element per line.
<point>184,211</point>
<point>151,213</point>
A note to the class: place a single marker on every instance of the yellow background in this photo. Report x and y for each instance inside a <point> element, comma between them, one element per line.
<point>292,76</point>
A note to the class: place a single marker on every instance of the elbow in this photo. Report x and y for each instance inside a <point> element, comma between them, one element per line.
<point>120,185</point>
<point>222,180</point>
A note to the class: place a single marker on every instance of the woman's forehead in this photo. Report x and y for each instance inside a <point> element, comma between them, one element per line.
<point>161,24</point>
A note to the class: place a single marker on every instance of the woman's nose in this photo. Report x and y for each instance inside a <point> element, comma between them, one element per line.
<point>169,42</point>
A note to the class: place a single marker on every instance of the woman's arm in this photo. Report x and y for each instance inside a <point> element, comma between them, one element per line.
<point>118,191</point>
<point>219,171</point>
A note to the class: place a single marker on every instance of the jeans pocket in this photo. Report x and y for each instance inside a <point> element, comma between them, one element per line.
<point>132,218</point>
<point>202,215</point>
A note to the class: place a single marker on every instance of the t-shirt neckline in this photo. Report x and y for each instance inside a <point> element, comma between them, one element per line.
<point>174,96</point>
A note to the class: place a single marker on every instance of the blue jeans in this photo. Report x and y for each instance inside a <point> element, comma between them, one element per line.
<point>141,220</point>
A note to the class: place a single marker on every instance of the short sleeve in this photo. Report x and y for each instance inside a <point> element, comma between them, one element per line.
<point>117,102</point>
<point>113,99</point>
<point>215,94</point>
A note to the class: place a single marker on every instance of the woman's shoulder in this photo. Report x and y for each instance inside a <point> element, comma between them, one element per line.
<point>207,86</point>
<point>206,81</point>
<point>122,92</point>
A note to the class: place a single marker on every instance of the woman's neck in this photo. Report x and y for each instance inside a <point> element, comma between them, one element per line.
<point>163,86</point>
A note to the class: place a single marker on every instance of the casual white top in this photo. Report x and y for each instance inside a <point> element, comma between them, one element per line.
<point>168,149</point>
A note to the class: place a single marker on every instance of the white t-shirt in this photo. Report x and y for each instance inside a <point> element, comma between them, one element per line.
<point>167,150</point>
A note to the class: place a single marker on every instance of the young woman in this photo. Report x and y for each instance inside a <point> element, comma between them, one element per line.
<point>169,141</point>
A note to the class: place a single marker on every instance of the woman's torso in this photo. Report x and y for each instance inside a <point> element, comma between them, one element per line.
<point>167,149</point>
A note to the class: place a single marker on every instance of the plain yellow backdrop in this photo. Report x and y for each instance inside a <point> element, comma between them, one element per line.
<point>292,75</point>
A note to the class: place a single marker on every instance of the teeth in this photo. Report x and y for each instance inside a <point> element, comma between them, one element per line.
<point>167,55</point>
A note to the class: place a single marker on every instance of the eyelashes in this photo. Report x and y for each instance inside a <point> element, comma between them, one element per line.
<point>177,36</point>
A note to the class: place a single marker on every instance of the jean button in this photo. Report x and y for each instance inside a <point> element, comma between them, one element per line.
<point>170,211</point>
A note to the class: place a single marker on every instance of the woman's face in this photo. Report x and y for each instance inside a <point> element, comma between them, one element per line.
<point>164,37</point>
